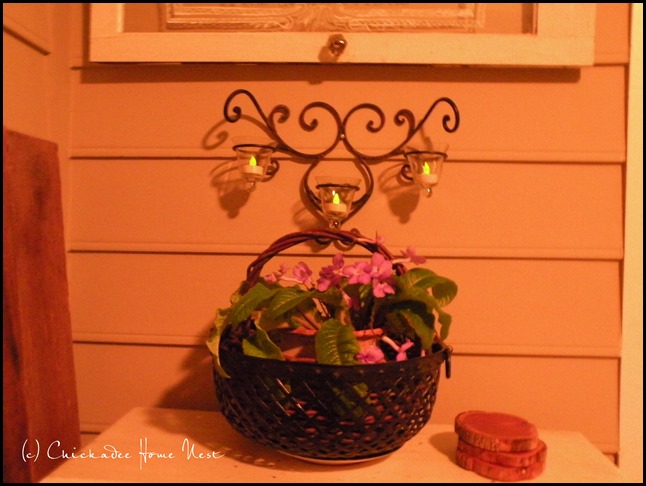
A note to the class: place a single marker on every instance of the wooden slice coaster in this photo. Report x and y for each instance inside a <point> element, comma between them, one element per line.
<point>495,431</point>
<point>508,459</point>
<point>496,471</point>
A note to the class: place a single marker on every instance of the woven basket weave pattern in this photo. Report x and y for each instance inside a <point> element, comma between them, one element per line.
<point>322,411</point>
<point>329,412</point>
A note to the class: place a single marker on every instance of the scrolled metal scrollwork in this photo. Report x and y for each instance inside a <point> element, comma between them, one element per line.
<point>280,114</point>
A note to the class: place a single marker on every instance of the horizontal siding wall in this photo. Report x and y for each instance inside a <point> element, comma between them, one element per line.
<point>542,389</point>
<point>170,299</point>
<point>527,219</point>
<point>184,206</point>
<point>514,114</point>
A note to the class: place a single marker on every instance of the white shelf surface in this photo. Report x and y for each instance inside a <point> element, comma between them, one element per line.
<point>200,446</point>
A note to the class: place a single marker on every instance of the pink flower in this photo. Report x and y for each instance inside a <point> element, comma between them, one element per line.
<point>302,273</point>
<point>381,268</point>
<point>276,276</point>
<point>401,353</point>
<point>331,276</point>
<point>380,271</point>
<point>371,355</point>
<point>338,261</point>
<point>380,289</point>
<point>411,255</point>
<point>359,272</point>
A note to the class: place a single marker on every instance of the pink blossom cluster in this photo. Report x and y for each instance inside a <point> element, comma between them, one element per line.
<point>378,272</point>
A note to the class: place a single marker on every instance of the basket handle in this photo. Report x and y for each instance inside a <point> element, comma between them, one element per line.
<point>322,236</point>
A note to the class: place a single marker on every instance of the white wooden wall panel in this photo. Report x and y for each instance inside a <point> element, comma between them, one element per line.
<point>504,306</point>
<point>181,377</point>
<point>16,114</point>
<point>172,205</point>
<point>129,376</point>
<point>551,393</point>
<point>521,114</point>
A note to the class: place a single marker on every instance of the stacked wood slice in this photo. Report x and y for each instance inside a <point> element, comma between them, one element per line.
<point>499,446</point>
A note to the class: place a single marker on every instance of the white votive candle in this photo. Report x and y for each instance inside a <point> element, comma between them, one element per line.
<point>428,179</point>
<point>255,170</point>
<point>335,209</point>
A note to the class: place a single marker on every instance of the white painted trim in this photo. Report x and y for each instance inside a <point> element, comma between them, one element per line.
<point>565,37</point>
<point>631,410</point>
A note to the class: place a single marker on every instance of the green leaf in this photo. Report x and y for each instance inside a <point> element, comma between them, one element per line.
<point>213,342</point>
<point>331,296</point>
<point>444,289</point>
<point>334,304</point>
<point>261,346</point>
<point>445,319</point>
<point>420,295</point>
<point>421,323</point>
<point>418,277</point>
<point>336,344</point>
<point>253,300</point>
<point>415,294</point>
<point>286,300</point>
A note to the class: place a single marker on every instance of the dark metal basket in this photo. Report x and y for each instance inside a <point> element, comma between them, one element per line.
<point>327,412</point>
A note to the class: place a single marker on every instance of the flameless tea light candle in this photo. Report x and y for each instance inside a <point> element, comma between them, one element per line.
<point>336,195</point>
<point>426,177</point>
<point>253,157</point>
<point>253,168</point>
<point>336,207</point>
<point>426,166</point>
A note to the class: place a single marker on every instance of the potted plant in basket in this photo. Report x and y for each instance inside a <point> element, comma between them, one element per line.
<point>342,364</point>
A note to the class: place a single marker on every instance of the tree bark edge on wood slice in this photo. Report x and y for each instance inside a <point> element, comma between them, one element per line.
<point>496,471</point>
<point>495,431</point>
<point>507,459</point>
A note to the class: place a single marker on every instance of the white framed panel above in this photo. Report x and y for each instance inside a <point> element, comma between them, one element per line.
<point>564,35</point>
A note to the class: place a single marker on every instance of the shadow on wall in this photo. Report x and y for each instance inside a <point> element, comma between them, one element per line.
<point>196,390</point>
<point>233,195</point>
<point>316,74</point>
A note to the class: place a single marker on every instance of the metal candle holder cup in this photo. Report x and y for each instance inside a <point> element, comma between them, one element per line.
<point>336,199</point>
<point>253,160</point>
<point>426,167</point>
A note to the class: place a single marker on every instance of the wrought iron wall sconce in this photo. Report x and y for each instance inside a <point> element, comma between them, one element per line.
<point>334,197</point>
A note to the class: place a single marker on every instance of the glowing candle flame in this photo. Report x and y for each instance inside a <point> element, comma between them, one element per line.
<point>426,169</point>
<point>336,199</point>
<point>252,161</point>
